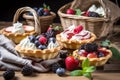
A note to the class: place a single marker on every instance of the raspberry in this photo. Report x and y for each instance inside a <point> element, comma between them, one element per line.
<point>55,66</point>
<point>9,74</point>
<point>43,40</point>
<point>27,70</point>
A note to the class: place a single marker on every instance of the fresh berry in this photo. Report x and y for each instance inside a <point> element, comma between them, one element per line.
<point>69,35</point>
<point>86,13</point>
<point>43,40</point>
<point>42,47</point>
<point>71,63</point>
<point>100,54</point>
<point>50,33</point>
<point>53,39</point>
<point>63,53</point>
<point>46,13</point>
<point>103,51</point>
<point>78,29</point>
<point>40,11</point>
<point>32,38</point>
<point>91,47</point>
<point>49,28</point>
<point>9,74</point>
<point>27,70</point>
<point>82,47</point>
<point>70,11</point>
<point>37,43</point>
<point>93,14</point>
<point>28,28</point>
<point>60,71</point>
<point>92,55</point>
<point>83,53</point>
<point>55,66</point>
<point>9,29</point>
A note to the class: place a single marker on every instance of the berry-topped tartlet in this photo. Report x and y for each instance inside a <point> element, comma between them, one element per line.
<point>97,55</point>
<point>42,46</point>
<point>18,31</point>
<point>74,36</point>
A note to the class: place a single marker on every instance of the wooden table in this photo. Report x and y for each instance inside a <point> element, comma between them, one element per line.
<point>110,72</point>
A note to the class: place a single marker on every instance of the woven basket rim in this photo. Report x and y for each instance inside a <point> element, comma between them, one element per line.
<point>51,16</point>
<point>61,14</point>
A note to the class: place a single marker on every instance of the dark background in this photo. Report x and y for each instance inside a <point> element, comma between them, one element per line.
<point>9,7</point>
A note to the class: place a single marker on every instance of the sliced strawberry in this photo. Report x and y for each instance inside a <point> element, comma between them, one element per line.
<point>28,28</point>
<point>9,29</point>
<point>78,29</point>
<point>69,35</point>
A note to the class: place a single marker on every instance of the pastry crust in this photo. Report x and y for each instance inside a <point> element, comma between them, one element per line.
<point>95,61</point>
<point>43,54</point>
<point>74,44</point>
<point>16,37</point>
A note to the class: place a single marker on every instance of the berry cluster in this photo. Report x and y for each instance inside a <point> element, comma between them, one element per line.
<point>41,41</point>
<point>91,50</point>
<point>42,11</point>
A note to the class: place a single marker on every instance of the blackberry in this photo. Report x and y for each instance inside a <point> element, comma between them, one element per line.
<point>93,14</point>
<point>63,53</point>
<point>91,47</point>
<point>50,33</point>
<point>55,66</point>
<point>82,47</point>
<point>27,70</point>
<point>9,74</point>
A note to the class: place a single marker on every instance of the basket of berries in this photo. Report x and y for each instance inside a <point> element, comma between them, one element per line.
<point>46,17</point>
<point>96,54</point>
<point>95,15</point>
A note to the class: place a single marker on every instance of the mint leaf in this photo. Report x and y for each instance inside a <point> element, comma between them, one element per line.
<point>76,73</point>
<point>115,53</point>
<point>78,11</point>
<point>88,75</point>
<point>90,69</point>
<point>85,63</point>
<point>105,43</point>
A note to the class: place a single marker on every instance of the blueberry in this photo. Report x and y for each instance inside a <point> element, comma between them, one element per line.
<point>32,38</point>
<point>93,14</point>
<point>100,54</point>
<point>60,71</point>
<point>37,43</point>
<point>40,11</point>
<point>52,39</point>
<point>42,47</point>
<point>46,13</point>
<point>37,37</point>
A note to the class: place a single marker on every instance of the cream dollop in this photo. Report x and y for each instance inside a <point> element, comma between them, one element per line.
<point>18,28</point>
<point>25,43</point>
<point>52,45</point>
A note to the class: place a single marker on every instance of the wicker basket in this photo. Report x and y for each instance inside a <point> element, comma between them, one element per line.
<point>45,21</point>
<point>100,26</point>
<point>16,37</point>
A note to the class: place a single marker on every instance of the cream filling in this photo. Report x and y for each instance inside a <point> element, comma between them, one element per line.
<point>52,45</point>
<point>25,43</point>
<point>18,28</point>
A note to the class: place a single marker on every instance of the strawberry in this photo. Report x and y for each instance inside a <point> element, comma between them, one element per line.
<point>69,35</point>
<point>28,28</point>
<point>70,11</point>
<point>9,29</point>
<point>71,63</point>
<point>78,29</point>
<point>43,40</point>
<point>92,55</point>
<point>86,13</point>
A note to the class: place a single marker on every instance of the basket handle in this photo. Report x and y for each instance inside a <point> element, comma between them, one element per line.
<point>35,16</point>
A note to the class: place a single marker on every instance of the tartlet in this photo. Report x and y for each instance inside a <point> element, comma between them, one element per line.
<point>96,58</point>
<point>74,43</point>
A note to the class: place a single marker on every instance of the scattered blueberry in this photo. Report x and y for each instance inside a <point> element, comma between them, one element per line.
<point>27,70</point>
<point>55,66</point>
<point>37,43</point>
<point>93,14</point>
<point>42,47</point>
<point>60,71</point>
<point>9,74</point>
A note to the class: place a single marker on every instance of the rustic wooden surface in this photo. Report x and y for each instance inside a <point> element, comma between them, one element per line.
<point>107,72</point>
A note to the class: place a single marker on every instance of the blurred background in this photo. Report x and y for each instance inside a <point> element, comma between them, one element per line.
<point>9,7</point>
